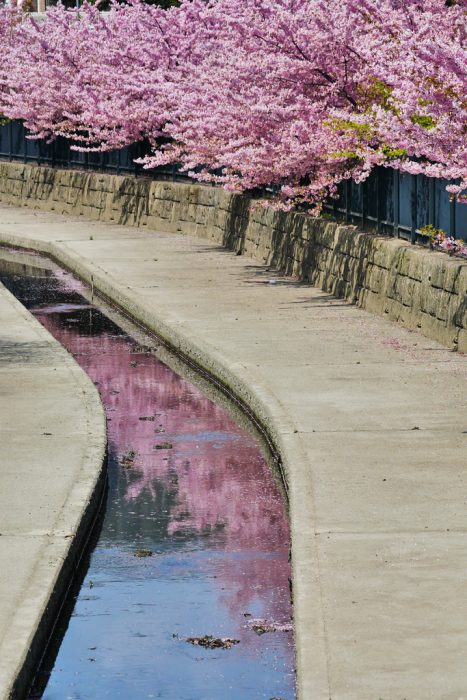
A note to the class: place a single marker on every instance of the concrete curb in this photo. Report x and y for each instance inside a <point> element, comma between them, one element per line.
<point>56,528</point>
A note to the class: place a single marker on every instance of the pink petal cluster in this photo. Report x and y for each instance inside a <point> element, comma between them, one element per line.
<point>452,245</point>
<point>442,241</point>
<point>299,94</point>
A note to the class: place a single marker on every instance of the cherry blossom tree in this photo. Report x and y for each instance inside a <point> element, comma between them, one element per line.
<point>299,94</point>
<point>304,94</point>
<point>83,76</point>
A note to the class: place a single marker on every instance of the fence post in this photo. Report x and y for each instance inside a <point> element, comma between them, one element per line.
<point>396,201</point>
<point>378,199</point>
<point>10,133</point>
<point>432,202</point>
<point>452,217</point>
<point>414,202</point>
<point>364,203</point>
<point>348,193</point>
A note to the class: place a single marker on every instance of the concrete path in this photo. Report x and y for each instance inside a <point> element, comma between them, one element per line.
<point>52,432</point>
<point>371,423</point>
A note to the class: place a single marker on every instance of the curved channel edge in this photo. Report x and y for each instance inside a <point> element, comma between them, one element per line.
<point>48,565</point>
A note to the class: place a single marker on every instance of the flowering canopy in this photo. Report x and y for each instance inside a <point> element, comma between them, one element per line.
<point>300,94</point>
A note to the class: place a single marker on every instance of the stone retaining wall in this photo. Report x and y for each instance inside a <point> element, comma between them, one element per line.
<point>423,290</point>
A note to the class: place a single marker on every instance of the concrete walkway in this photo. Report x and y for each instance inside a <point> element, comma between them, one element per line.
<point>371,424</point>
<point>52,431</point>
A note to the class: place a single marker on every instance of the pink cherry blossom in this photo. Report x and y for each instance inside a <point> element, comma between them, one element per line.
<point>297,94</point>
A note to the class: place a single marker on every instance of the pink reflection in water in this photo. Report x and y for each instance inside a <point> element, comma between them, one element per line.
<point>222,482</point>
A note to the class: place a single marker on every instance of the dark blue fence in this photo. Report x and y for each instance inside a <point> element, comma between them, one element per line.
<point>14,145</point>
<point>389,202</point>
<point>399,204</point>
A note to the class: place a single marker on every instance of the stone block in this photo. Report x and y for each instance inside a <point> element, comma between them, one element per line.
<point>457,311</point>
<point>405,290</point>
<point>416,265</point>
<point>460,286</point>
<point>444,271</point>
<point>371,301</point>
<point>462,341</point>
<point>437,329</point>
<point>374,279</point>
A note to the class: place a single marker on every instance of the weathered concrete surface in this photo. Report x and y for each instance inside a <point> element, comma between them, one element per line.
<point>421,290</point>
<point>52,453</point>
<point>370,420</point>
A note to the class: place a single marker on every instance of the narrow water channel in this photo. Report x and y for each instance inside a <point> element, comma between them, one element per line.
<point>194,540</point>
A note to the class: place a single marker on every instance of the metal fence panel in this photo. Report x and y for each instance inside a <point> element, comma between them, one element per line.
<point>402,204</point>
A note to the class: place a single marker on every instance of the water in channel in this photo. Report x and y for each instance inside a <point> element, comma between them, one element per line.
<point>194,540</point>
